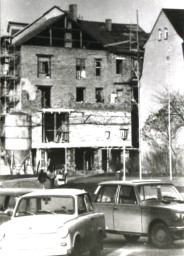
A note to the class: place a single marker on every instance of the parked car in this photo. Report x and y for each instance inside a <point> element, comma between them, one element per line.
<point>53,222</point>
<point>8,198</point>
<point>142,208</point>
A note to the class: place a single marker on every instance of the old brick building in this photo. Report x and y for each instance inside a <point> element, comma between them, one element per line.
<point>75,83</point>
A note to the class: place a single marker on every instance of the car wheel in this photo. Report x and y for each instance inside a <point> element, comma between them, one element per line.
<point>77,248</point>
<point>132,238</point>
<point>160,236</point>
<point>96,250</point>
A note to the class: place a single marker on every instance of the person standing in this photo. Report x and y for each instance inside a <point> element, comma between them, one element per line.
<point>42,177</point>
<point>51,175</point>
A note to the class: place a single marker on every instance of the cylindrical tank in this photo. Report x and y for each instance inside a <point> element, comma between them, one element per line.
<point>18,138</point>
<point>17,131</point>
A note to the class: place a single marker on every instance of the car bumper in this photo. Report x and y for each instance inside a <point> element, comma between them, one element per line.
<point>38,246</point>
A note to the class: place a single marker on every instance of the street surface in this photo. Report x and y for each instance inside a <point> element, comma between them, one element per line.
<point>116,245</point>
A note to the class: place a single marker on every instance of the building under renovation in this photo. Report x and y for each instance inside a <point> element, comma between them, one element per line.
<point>67,87</point>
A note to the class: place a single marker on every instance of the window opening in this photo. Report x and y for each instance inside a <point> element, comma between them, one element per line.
<point>99,95</point>
<point>80,94</point>
<point>98,67</point>
<point>45,96</point>
<point>159,34</point>
<point>80,68</point>
<point>44,66</point>
<point>166,33</point>
<point>55,127</point>
<point>119,66</point>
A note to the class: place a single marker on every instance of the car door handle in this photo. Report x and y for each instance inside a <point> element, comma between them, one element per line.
<point>115,208</point>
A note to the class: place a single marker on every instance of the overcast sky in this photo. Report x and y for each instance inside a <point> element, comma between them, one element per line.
<point>120,11</point>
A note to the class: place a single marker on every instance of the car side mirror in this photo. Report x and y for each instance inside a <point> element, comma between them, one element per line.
<point>9,213</point>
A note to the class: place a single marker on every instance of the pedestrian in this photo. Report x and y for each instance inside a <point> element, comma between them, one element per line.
<point>51,175</point>
<point>42,177</point>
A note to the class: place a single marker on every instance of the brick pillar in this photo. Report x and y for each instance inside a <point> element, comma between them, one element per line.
<point>71,159</point>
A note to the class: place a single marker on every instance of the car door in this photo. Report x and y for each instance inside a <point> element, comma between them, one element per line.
<point>127,213</point>
<point>85,221</point>
<point>105,203</point>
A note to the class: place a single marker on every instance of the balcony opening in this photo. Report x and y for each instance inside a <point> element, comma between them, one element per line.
<point>45,96</point>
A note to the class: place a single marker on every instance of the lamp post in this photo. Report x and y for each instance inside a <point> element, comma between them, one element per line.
<point>107,135</point>
<point>124,135</point>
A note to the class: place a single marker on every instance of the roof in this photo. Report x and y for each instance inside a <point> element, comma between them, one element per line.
<point>121,34</point>
<point>134,182</point>
<point>16,191</point>
<point>57,192</point>
<point>176,17</point>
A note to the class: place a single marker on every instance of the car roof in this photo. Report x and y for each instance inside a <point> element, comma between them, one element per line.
<point>16,191</point>
<point>57,192</point>
<point>134,182</point>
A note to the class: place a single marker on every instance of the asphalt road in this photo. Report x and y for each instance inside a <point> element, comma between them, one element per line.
<point>116,245</point>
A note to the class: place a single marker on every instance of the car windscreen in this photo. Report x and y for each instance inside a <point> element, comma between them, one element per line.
<point>152,192</point>
<point>45,205</point>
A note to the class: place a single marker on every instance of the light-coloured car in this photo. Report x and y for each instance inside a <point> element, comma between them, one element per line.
<point>53,222</point>
<point>8,199</point>
<point>142,208</point>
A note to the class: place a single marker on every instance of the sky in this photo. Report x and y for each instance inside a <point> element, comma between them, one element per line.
<point>120,11</point>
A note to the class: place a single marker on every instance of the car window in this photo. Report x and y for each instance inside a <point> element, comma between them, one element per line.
<point>11,202</point>
<point>158,192</point>
<point>2,203</point>
<point>81,205</point>
<point>107,194</point>
<point>127,195</point>
<point>45,205</point>
<point>88,203</point>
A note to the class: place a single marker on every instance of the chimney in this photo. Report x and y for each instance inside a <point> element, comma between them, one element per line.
<point>108,24</point>
<point>73,11</point>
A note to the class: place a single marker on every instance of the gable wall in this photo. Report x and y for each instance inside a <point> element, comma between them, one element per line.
<point>158,71</point>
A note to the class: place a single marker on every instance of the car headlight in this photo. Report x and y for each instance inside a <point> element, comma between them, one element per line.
<point>62,232</point>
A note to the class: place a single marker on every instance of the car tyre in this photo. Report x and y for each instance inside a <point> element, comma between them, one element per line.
<point>132,238</point>
<point>96,250</point>
<point>160,236</point>
<point>77,248</point>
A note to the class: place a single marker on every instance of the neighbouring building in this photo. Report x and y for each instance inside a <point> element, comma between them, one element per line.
<point>163,66</point>
<point>66,94</point>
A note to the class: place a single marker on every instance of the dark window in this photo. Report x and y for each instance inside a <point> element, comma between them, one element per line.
<point>55,127</point>
<point>45,96</point>
<point>107,194</point>
<point>119,66</point>
<point>98,67</point>
<point>44,66</point>
<point>80,68</point>
<point>166,33</point>
<point>127,195</point>
<point>80,94</point>
<point>99,95</point>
